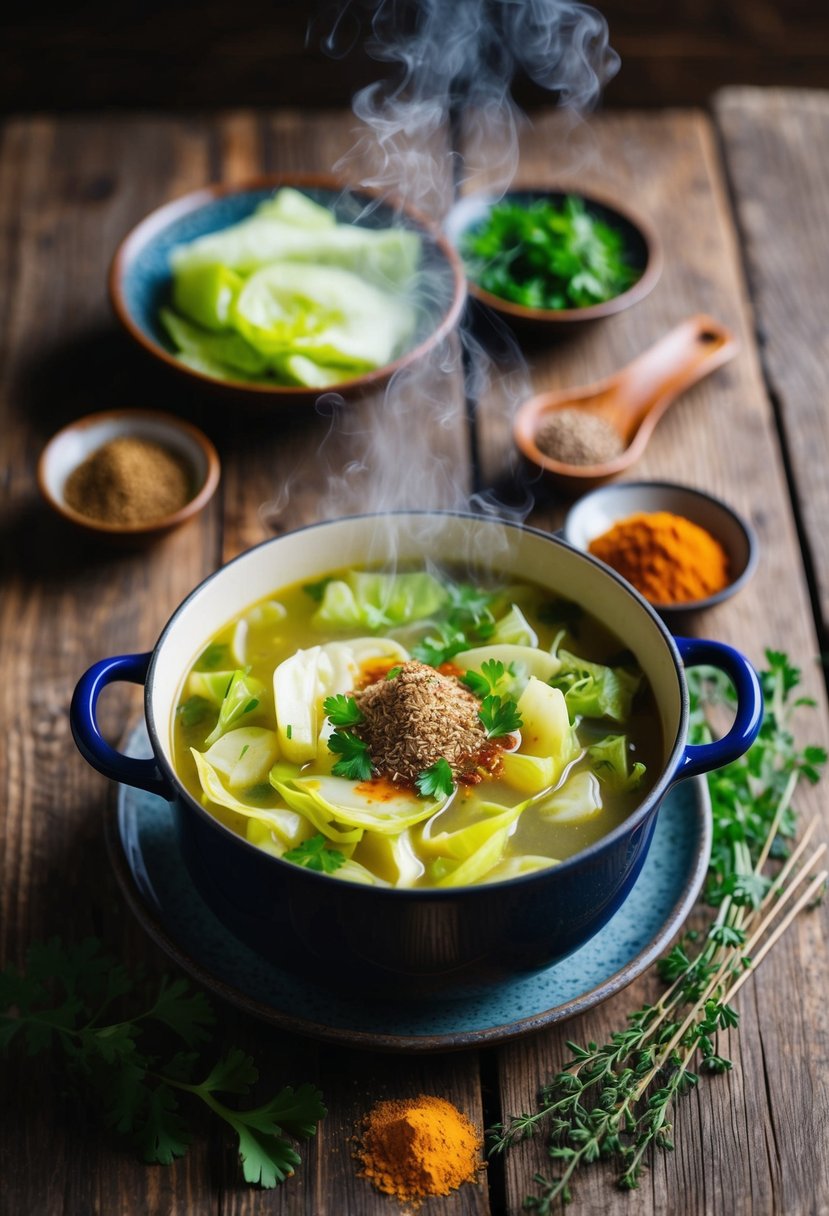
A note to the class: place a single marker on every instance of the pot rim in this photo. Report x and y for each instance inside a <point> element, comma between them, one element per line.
<point>636,819</point>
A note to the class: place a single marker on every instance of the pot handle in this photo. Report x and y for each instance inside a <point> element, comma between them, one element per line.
<point>701,758</point>
<point>92,745</point>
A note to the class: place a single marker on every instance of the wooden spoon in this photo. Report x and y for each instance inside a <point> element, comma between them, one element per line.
<point>632,400</point>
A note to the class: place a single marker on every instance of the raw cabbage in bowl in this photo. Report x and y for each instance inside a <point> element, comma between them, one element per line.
<point>291,296</point>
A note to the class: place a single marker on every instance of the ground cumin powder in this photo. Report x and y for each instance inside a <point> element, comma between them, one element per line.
<point>129,481</point>
<point>417,1147</point>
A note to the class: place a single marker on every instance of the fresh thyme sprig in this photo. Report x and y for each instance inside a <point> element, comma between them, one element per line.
<point>64,1002</point>
<point>615,1101</point>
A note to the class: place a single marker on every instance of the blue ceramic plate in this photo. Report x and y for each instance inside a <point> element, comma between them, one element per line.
<point>143,848</point>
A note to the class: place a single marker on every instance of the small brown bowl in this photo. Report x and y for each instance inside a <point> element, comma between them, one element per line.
<point>72,445</point>
<point>642,247</point>
<point>140,278</point>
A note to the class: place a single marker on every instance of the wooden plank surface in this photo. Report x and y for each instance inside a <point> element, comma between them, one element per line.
<point>68,190</point>
<point>742,1146</point>
<point>776,147</point>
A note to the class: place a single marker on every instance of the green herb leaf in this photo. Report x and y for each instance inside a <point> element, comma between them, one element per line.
<point>437,781</point>
<point>393,672</point>
<point>61,1002</point>
<point>482,683</point>
<point>499,716</point>
<point>342,710</point>
<point>315,855</point>
<point>355,763</point>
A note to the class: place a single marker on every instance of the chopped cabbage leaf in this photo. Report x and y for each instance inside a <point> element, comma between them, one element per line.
<point>358,803</point>
<point>521,661</point>
<point>206,294</point>
<point>319,816</point>
<point>593,690</point>
<point>546,729</point>
<point>244,756</point>
<point>243,696</point>
<point>303,681</point>
<point>475,849</point>
<point>216,354</point>
<point>299,369</point>
<point>352,871</point>
<point>578,800</point>
<point>529,774</point>
<point>378,601</point>
<point>212,685</point>
<point>293,207</point>
<point>388,257</point>
<point>514,629</point>
<point>393,855</point>
<point>610,758</point>
<point>323,312</point>
<point>517,867</point>
<point>290,827</point>
<point>282,830</point>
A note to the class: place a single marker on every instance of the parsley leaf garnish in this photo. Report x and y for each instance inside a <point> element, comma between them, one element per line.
<point>194,710</point>
<point>437,781</point>
<point>63,1001</point>
<point>393,672</point>
<point>499,716</point>
<point>356,762</point>
<point>342,710</point>
<point>213,658</point>
<point>315,855</point>
<point>488,678</point>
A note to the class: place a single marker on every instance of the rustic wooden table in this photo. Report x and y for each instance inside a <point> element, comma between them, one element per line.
<point>740,199</point>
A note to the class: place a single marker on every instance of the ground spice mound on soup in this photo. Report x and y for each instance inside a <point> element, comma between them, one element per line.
<point>415,716</point>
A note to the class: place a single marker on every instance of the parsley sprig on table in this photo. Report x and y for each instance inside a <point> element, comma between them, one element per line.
<point>542,255</point>
<point>615,1101</point>
<point>64,1002</point>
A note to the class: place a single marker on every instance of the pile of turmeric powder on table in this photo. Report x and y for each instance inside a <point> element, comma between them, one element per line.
<point>418,1147</point>
<point>669,559</point>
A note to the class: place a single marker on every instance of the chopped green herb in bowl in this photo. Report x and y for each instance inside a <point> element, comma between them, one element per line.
<point>543,255</point>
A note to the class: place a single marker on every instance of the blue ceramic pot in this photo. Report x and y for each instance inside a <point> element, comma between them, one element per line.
<point>412,941</point>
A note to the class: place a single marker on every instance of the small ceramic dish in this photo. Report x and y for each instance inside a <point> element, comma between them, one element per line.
<point>140,278</point>
<point>596,513</point>
<point>641,244</point>
<point>66,450</point>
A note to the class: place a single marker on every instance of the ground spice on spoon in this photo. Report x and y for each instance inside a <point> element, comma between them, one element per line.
<point>129,481</point>
<point>418,1147</point>
<point>574,436</point>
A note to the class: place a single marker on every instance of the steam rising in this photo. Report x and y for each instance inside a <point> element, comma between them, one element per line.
<point>445,118</point>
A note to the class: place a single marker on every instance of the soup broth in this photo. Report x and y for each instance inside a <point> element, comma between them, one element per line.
<point>417,729</point>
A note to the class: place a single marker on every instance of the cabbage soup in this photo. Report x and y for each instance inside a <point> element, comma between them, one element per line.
<point>417,729</point>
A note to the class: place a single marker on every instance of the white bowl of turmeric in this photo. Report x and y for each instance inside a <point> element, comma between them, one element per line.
<point>128,474</point>
<point>680,548</point>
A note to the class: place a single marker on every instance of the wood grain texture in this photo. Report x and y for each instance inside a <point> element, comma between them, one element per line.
<point>751,1143</point>
<point>776,148</point>
<point>69,189</point>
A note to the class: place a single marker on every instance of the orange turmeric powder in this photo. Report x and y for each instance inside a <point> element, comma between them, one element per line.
<point>418,1147</point>
<point>666,557</point>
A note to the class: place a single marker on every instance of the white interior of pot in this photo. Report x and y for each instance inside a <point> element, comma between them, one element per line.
<point>310,554</point>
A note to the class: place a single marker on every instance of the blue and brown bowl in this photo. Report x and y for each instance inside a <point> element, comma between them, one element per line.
<point>413,941</point>
<point>140,279</point>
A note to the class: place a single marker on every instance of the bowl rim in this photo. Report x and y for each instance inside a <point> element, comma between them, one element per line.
<point>636,292</point>
<point>749,534</point>
<point>160,217</point>
<point>633,821</point>
<point>160,523</point>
